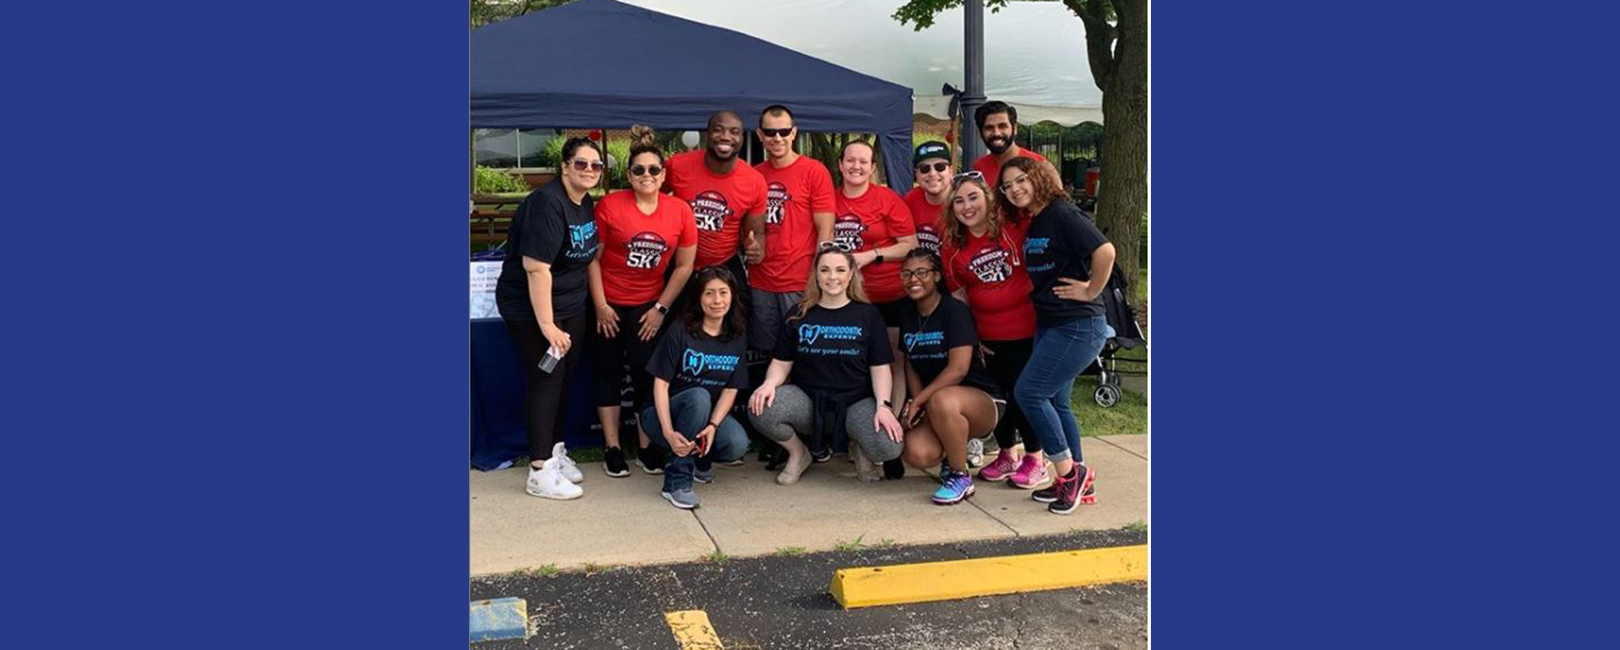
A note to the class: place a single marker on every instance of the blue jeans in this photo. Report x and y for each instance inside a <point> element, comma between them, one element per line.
<point>1043,389</point>
<point>689,412</point>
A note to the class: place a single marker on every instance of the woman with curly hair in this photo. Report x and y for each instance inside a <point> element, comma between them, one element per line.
<point>1069,262</point>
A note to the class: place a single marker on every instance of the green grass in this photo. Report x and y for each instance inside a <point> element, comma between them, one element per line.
<point>1137,526</point>
<point>547,571</point>
<point>790,551</point>
<point>854,545</point>
<point>887,542</point>
<point>717,557</point>
<point>1128,416</point>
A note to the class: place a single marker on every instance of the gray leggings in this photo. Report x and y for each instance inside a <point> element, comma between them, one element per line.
<point>790,413</point>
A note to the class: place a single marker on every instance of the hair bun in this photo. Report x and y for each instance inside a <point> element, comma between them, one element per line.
<point>642,135</point>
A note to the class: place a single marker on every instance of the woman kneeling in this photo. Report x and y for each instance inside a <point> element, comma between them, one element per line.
<point>697,371</point>
<point>836,349</point>
<point>953,396</point>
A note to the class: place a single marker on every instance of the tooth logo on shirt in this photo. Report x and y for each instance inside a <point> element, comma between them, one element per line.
<point>711,210</point>
<point>692,362</point>
<point>808,334</point>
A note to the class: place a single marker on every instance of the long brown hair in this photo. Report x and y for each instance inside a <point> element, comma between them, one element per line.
<point>1045,185</point>
<point>812,289</point>
<point>948,224</point>
<point>734,324</point>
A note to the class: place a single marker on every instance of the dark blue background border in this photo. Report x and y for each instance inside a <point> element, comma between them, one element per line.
<point>274,454</point>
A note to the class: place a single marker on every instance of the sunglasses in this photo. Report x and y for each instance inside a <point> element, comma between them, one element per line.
<point>938,167</point>
<point>907,274</point>
<point>646,170</point>
<point>966,175</point>
<point>581,164</point>
<point>776,133</point>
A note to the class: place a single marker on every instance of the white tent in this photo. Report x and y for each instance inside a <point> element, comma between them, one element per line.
<point>1034,52</point>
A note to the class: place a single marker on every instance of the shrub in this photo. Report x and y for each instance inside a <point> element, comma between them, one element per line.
<point>489,180</point>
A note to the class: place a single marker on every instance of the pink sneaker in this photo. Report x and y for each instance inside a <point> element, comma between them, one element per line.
<point>999,469</point>
<point>1031,473</point>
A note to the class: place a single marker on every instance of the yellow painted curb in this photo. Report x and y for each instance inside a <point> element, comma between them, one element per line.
<point>692,630</point>
<point>929,581</point>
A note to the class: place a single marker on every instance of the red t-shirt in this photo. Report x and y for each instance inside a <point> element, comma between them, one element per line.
<point>998,285</point>
<point>991,169</point>
<point>719,203</point>
<point>637,248</point>
<point>874,220</point>
<point>793,194</point>
<point>926,216</point>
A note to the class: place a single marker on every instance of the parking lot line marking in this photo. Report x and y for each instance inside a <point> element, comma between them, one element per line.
<point>693,630</point>
<point>989,576</point>
<point>500,618</point>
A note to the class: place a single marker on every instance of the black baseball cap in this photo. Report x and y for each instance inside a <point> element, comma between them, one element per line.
<point>931,149</point>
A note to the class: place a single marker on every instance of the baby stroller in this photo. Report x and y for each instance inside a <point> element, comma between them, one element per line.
<point>1127,336</point>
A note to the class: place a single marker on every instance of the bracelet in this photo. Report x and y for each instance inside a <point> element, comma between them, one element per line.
<point>716,425</point>
<point>661,308</point>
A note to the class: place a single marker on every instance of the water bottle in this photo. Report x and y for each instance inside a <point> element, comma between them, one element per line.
<point>549,362</point>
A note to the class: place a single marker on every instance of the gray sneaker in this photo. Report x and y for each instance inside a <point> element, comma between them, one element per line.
<point>684,499</point>
<point>703,476</point>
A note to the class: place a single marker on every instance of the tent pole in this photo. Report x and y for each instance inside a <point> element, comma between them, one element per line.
<point>973,73</point>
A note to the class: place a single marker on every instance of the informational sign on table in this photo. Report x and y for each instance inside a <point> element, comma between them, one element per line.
<point>484,274</point>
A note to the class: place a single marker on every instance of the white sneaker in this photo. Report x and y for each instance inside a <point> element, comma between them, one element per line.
<point>975,452</point>
<point>569,470</point>
<point>549,483</point>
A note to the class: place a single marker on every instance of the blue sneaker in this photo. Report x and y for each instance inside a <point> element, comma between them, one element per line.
<point>953,487</point>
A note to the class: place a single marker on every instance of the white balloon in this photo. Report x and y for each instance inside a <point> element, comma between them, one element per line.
<point>690,139</point>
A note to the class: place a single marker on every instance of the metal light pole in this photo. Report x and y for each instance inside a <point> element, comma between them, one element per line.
<point>973,86</point>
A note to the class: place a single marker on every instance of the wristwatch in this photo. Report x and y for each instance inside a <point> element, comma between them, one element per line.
<point>661,308</point>
<point>888,404</point>
<point>879,258</point>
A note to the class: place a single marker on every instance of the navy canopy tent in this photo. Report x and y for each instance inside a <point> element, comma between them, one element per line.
<point>600,63</point>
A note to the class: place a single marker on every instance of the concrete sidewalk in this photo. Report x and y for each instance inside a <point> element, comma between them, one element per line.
<point>744,513</point>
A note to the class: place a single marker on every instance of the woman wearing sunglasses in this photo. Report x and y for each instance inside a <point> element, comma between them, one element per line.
<point>874,224</point>
<point>984,266</point>
<point>542,297</point>
<point>952,395</point>
<point>835,349</point>
<point>642,229</point>
<point>1069,262</point>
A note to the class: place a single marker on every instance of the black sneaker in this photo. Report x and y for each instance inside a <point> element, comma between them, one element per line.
<point>613,463</point>
<point>650,459</point>
<point>894,469</point>
<point>1077,489</point>
<point>1050,493</point>
<point>821,456</point>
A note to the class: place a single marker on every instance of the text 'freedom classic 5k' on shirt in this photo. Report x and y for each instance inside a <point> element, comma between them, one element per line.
<point>991,270</point>
<point>833,350</point>
<point>875,219</point>
<point>550,228</point>
<point>637,248</point>
<point>718,202</point>
<point>926,215</point>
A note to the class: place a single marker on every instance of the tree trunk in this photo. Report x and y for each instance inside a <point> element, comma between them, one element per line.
<point>1122,195</point>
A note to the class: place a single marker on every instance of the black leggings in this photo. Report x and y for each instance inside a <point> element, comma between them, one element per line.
<point>542,403</point>
<point>611,354</point>
<point>1009,359</point>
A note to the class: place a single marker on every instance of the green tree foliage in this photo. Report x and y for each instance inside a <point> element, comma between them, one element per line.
<point>485,12</point>
<point>1116,47</point>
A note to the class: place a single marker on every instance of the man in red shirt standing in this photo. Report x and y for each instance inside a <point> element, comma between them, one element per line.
<point>798,218</point>
<point>926,200</point>
<point>998,125</point>
<point>727,199</point>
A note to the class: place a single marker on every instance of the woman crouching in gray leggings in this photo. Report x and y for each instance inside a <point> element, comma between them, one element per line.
<point>836,349</point>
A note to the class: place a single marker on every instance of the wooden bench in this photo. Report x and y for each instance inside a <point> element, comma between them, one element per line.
<point>491,218</point>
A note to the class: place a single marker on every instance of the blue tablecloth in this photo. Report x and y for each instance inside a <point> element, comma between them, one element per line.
<point>498,433</point>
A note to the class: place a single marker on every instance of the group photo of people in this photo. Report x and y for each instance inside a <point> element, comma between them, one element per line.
<point>770,307</point>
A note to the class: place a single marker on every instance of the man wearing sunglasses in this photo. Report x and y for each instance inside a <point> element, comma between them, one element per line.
<point>798,216</point>
<point>727,199</point>
<point>932,162</point>
<point>998,127</point>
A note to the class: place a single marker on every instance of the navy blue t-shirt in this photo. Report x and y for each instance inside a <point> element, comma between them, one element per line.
<point>1059,244</point>
<point>927,342</point>
<point>833,350</point>
<point>686,360</point>
<point>550,228</point>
